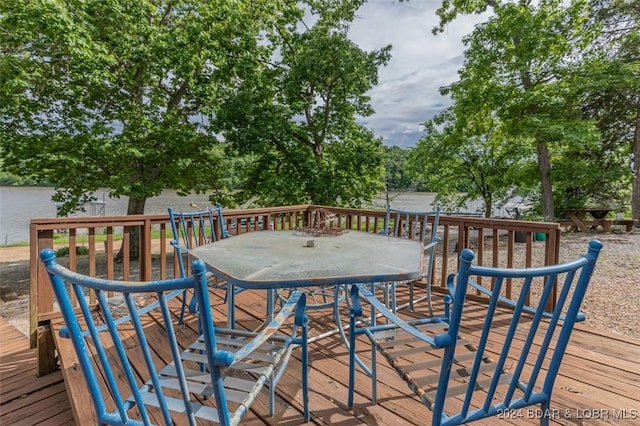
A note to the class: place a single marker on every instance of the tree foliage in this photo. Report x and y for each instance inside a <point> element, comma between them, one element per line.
<point>397,174</point>
<point>140,95</point>
<point>296,117</point>
<point>116,93</point>
<point>517,65</point>
<point>470,159</point>
<point>561,78</point>
<point>612,98</point>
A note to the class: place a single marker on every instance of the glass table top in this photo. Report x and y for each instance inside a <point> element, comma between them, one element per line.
<point>281,259</point>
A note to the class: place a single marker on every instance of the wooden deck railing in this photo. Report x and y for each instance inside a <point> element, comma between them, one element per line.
<point>101,237</point>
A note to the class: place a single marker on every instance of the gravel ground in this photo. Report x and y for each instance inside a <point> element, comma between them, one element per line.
<point>612,302</point>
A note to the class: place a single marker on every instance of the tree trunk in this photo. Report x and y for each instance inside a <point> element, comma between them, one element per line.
<point>544,168</point>
<point>134,206</point>
<point>544,163</point>
<point>488,206</point>
<point>635,193</point>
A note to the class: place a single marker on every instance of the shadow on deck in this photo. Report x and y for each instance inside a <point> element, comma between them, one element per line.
<point>598,382</point>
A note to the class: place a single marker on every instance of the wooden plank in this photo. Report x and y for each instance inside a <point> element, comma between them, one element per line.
<point>620,354</point>
<point>24,384</point>
<point>39,406</point>
<point>599,376</point>
<point>82,406</point>
<point>24,397</point>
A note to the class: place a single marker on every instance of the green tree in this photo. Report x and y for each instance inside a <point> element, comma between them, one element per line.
<point>397,175</point>
<point>116,93</point>
<point>113,92</point>
<point>296,117</point>
<point>469,159</point>
<point>612,96</point>
<point>516,65</point>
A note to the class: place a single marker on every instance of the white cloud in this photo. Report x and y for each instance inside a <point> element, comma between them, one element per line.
<point>407,93</point>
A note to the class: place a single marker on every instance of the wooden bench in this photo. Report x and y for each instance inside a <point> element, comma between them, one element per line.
<point>627,223</point>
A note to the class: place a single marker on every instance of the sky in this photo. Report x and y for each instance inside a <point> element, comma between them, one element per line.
<point>407,93</point>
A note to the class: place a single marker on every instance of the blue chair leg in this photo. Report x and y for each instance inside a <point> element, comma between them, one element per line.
<point>544,414</point>
<point>193,304</point>
<point>231,312</point>
<point>184,306</point>
<point>352,360</point>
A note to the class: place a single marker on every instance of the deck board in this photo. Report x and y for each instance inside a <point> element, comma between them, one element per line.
<point>24,398</point>
<point>599,376</point>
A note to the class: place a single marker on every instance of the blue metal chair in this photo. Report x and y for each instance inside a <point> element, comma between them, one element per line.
<point>465,372</point>
<point>214,379</point>
<point>193,229</point>
<point>421,226</point>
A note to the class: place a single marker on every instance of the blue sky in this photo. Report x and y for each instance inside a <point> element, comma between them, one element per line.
<point>407,92</point>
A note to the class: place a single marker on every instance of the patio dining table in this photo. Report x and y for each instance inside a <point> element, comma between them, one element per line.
<point>272,260</point>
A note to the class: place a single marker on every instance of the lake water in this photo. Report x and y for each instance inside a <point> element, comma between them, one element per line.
<point>18,205</point>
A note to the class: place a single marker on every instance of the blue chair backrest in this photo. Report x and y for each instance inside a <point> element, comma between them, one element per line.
<point>112,345</point>
<point>193,229</point>
<point>415,225</point>
<point>525,364</point>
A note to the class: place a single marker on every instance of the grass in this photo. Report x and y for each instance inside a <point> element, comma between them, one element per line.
<point>63,238</point>
<point>18,244</point>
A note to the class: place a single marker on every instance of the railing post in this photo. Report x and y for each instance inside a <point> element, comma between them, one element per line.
<point>552,256</point>
<point>307,218</point>
<point>145,251</point>
<point>41,301</point>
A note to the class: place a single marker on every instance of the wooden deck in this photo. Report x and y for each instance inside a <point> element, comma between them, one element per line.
<point>598,382</point>
<point>24,398</point>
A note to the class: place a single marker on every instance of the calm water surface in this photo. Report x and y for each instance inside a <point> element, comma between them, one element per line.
<point>18,205</point>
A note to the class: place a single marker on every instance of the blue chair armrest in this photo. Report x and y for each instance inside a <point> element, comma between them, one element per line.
<point>296,303</point>
<point>361,291</point>
<point>177,245</point>
<point>431,245</point>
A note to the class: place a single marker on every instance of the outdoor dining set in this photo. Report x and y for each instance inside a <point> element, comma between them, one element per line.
<point>448,357</point>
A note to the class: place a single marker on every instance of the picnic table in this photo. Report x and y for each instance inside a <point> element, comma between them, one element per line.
<point>579,219</point>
